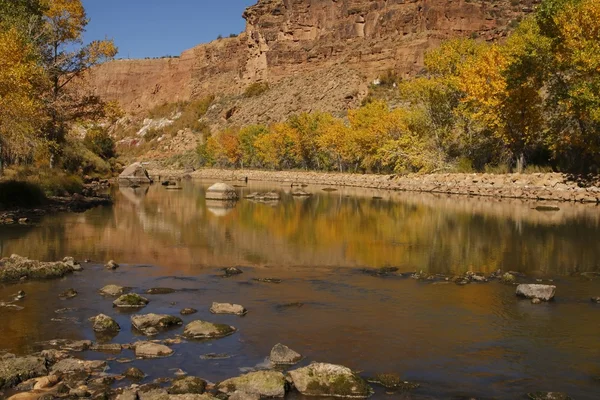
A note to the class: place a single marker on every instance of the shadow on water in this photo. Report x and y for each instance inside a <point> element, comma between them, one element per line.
<point>477,340</point>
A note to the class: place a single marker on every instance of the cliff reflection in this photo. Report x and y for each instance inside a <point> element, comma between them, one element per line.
<point>181,231</point>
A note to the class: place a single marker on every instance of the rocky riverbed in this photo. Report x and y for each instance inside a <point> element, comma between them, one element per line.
<point>537,186</point>
<point>71,369</point>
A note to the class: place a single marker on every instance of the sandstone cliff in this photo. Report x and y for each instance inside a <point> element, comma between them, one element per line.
<point>294,42</point>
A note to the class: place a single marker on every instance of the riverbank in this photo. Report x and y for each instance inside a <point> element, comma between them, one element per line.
<point>538,186</point>
<point>75,203</point>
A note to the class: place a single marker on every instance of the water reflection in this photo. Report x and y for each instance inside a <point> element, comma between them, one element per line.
<point>182,231</point>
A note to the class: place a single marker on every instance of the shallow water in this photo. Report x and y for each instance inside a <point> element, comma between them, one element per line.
<point>477,340</point>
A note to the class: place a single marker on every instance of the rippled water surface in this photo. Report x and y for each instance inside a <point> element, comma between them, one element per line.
<point>477,340</point>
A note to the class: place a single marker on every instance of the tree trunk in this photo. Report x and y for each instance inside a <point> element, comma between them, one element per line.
<point>520,163</point>
<point>1,161</point>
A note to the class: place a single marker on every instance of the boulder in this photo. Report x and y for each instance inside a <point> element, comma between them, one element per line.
<point>151,350</point>
<point>16,370</point>
<point>144,323</point>
<point>508,278</point>
<point>283,355</point>
<point>239,395</point>
<point>104,323</point>
<point>135,374</point>
<point>112,290</point>
<point>15,268</point>
<point>130,300</point>
<point>111,265</point>
<point>207,330</point>
<point>227,308</point>
<point>221,191</point>
<point>232,271</point>
<point>134,175</point>
<point>320,379</point>
<point>188,385</point>
<point>533,291</point>
<point>262,383</point>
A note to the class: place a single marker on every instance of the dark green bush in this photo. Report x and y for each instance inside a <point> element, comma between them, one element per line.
<point>256,89</point>
<point>21,194</point>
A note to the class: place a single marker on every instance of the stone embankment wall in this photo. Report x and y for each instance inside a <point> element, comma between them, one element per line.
<point>539,186</point>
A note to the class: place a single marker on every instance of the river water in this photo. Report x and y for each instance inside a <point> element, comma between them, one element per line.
<point>472,341</point>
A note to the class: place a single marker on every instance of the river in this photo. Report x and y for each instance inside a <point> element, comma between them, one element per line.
<point>473,341</point>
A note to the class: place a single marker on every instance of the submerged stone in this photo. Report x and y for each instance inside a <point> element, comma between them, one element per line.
<point>320,379</point>
<point>160,291</point>
<point>111,265</point>
<point>130,300</point>
<point>549,396</point>
<point>393,381</point>
<point>135,374</point>
<point>262,383</point>
<point>283,355</point>
<point>207,330</point>
<point>188,311</point>
<point>68,294</point>
<point>534,291</point>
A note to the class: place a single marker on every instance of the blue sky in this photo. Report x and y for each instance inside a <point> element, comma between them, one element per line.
<point>155,28</point>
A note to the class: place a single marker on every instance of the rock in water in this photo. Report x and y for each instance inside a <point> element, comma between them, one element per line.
<point>531,291</point>
<point>68,294</point>
<point>187,385</point>
<point>508,278</point>
<point>130,300</point>
<point>15,268</point>
<point>145,322</point>
<point>188,311</point>
<point>111,265</point>
<point>160,291</point>
<point>135,374</point>
<point>232,271</point>
<point>281,354</point>
<point>227,308</point>
<point>221,191</point>
<point>135,174</point>
<point>16,370</point>
<point>319,379</point>
<point>239,395</point>
<point>207,330</point>
<point>112,290</point>
<point>262,383</point>
<point>104,323</point>
<point>151,350</point>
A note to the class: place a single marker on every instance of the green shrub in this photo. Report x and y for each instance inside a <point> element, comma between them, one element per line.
<point>99,141</point>
<point>256,89</point>
<point>78,159</point>
<point>57,184</point>
<point>21,194</point>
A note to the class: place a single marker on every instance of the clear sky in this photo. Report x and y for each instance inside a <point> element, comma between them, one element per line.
<point>155,28</point>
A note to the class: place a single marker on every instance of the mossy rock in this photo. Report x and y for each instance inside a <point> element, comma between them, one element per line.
<point>508,278</point>
<point>130,300</point>
<point>320,379</point>
<point>14,268</point>
<point>188,385</point>
<point>207,330</point>
<point>262,383</point>
<point>393,381</point>
<point>104,323</point>
<point>155,321</point>
<point>16,370</point>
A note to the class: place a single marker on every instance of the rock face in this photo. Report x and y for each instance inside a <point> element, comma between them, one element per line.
<point>104,323</point>
<point>135,174</point>
<point>320,379</point>
<point>542,292</point>
<point>16,370</point>
<point>151,350</point>
<point>283,355</point>
<point>157,321</point>
<point>262,383</point>
<point>227,308</point>
<point>221,191</point>
<point>207,330</point>
<point>15,267</point>
<point>299,46</point>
